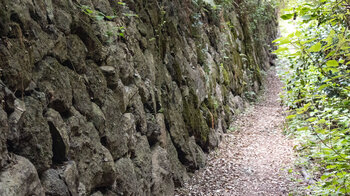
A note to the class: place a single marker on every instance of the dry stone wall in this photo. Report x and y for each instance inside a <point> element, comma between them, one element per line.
<point>104,97</point>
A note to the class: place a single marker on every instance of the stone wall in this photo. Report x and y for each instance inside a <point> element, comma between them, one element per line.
<point>119,98</point>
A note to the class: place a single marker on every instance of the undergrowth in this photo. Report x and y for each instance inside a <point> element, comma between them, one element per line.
<point>317,90</point>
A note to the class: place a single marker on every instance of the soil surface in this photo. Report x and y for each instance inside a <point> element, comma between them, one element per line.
<point>253,159</point>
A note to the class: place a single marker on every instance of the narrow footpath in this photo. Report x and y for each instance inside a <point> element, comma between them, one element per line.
<point>255,158</point>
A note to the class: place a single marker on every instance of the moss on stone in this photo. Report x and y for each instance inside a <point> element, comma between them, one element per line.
<point>195,122</point>
<point>210,107</point>
<point>4,20</point>
<point>258,74</point>
<point>224,93</point>
<point>207,116</point>
<point>210,102</point>
<point>228,114</point>
<point>200,55</point>
<point>178,73</point>
<point>226,76</point>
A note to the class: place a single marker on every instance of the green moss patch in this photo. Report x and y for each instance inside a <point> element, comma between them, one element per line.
<point>195,122</point>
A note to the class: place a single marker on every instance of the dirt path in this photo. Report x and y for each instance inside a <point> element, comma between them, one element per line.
<point>254,159</point>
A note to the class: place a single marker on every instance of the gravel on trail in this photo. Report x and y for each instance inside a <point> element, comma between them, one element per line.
<point>255,158</point>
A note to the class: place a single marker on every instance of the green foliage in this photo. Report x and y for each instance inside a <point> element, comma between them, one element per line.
<point>100,16</point>
<point>97,15</point>
<point>116,31</point>
<point>259,13</point>
<point>225,74</point>
<point>317,80</point>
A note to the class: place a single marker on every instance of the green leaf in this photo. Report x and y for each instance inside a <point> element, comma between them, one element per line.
<point>323,86</point>
<point>316,47</point>
<point>287,16</point>
<point>325,176</point>
<point>331,166</point>
<point>88,11</point>
<point>304,10</point>
<point>99,17</point>
<point>330,54</point>
<point>281,49</point>
<point>332,63</point>
<point>277,40</point>
<point>111,17</point>
<point>291,116</point>
<point>303,129</point>
<point>306,17</point>
<point>298,33</point>
<point>312,119</point>
<point>282,41</point>
<point>130,15</point>
<point>322,121</point>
